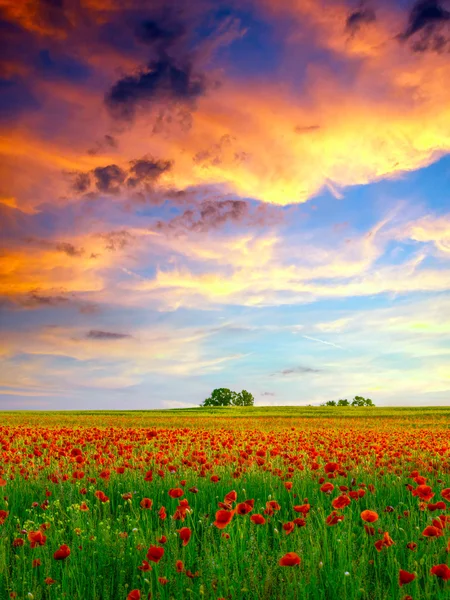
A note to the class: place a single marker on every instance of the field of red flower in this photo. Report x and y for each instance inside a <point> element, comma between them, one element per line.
<point>130,506</point>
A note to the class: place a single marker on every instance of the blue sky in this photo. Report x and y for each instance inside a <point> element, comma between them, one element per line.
<point>201,195</point>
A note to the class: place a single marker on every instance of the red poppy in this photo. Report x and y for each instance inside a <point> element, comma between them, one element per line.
<point>36,562</point>
<point>327,488</point>
<point>155,553</point>
<point>62,553</point>
<point>84,507</point>
<point>334,518</point>
<point>163,580</point>
<point>411,546</point>
<point>442,571</point>
<point>369,530</point>
<point>215,478</point>
<point>223,518</point>
<point>231,496</point>
<point>3,516</point>
<point>49,581</point>
<point>446,494</point>
<point>291,559</point>
<point>289,527</point>
<point>405,577</point>
<point>288,485</point>
<point>162,513</point>
<point>331,467</point>
<point>146,503</point>
<point>303,508</point>
<point>244,507</point>
<point>424,492</point>
<point>432,531</point>
<point>257,519</point>
<point>145,566</point>
<point>134,595</point>
<point>185,535</point>
<point>299,522</point>
<point>341,502</point>
<point>162,540</point>
<point>36,538</point>
<point>175,492</point>
<point>179,566</point>
<point>101,496</point>
<point>369,516</point>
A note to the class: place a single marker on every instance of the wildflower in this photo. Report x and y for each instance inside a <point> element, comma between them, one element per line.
<point>370,516</point>
<point>442,571</point>
<point>257,519</point>
<point>405,577</point>
<point>223,518</point>
<point>185,535</point>
<point>62,553</point>
<point>291,559</point>
<point>155,553</point>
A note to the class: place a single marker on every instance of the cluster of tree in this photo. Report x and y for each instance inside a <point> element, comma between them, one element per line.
<point>357,401</point>
<point>225,397</point>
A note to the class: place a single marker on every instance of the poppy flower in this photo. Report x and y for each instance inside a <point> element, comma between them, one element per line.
<point>101,496</point>
<point>243,508</point>
<point>155,553</point>
<point>49,581</point>
<point>369,516</point>
<point>162,513</point>
<point>334,518</point>
<point>257,519</point>
<point>446,494</point>
<point>424,492</point>
<point>185,535</point>
<point>231,496</point>
<point>134,595</point>
<point>145,566</point>
<point>36,562</point>
<point>62,553</point>
<point>289,527</point>
<point>369,530</point>
<point>432,531</point>
<point>405,577</point>
<point>3,516</point>
<point>442,571</point>
<point>175,492</point>
<point>146,503</point>
<point>341,502</point>
<point>223,518</point>
<point>302,508</point>
<point>193,490</point>
<point>162,540</point>
<point>288,485</point>
<point>84,507</point>
<point>327,488</point>
<point>214,478</point>
<point>291,559</point>
<point>36,538</point>
<point>179,566</point>
<point>440,505</point>
<point>299,522</point>
<point>163,580</point>
<point>331,467</point>
<point>412,546</point>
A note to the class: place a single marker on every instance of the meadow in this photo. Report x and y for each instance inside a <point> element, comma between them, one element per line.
<point>226,504</point>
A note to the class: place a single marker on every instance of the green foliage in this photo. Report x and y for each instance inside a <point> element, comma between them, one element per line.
<point>226,397</point>
<point>357,401</point>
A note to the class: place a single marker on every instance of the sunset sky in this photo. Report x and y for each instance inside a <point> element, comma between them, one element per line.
<point>250,194</point>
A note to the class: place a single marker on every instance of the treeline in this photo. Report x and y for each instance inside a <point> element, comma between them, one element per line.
<point>225,397</point>
<point>357,401</point>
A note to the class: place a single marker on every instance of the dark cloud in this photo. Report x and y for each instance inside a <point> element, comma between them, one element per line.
<point>359,17</point>
<point>163,32</point>
<point>81,183</point>
<point>69,249</point>
<point>109,179</point>
<point>428,25</point>
<point>147,171</point>
<point>39,299</point>
<point>95,334</point>
<point>65,247</point>
<point>300,370</point>
<point>163,79</point>
<point>211,214</point>
<point>116,240</point>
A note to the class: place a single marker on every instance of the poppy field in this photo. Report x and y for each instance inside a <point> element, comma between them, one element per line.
<point>225,504</point>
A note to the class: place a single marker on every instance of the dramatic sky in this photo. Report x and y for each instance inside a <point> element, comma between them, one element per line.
<point>204,193</point>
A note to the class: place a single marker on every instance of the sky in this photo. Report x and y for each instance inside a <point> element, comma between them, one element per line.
<point>248,194</point>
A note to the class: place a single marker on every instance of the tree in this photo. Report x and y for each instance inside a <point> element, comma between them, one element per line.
<point>360,401</point>
<point>344,402</point>
<point>220,397</point>
<point>244,399</point>
<point>330,403</point>
<point>226,397</point>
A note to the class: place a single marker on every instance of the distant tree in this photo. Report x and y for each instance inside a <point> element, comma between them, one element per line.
<point>220,397</point>
<point>343,402</point>
<point>330,403</point>
<point>226,397</point>
<point>360,401</point>
<point>244,398</point>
